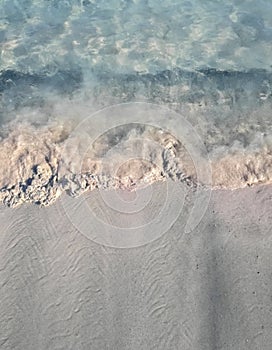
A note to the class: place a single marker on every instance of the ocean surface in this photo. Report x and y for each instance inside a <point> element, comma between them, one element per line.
<point>66,66</point>
<point>135,174</point>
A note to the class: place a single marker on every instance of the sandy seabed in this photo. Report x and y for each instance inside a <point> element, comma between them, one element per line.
<point>205,289</point>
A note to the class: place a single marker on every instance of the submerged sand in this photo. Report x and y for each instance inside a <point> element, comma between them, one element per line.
<point>205,289</point>
<point>156,116</point>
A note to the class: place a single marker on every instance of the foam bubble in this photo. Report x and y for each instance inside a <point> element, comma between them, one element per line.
<point>40,161</point>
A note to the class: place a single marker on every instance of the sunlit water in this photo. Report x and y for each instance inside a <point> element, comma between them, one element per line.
<point>61,61</point>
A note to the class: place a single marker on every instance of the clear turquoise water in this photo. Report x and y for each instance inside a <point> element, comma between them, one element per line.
<point>64,46</point>
<point>208,60</point>
<point>145,36</point>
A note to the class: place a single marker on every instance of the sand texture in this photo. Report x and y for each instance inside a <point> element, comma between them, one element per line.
<point>206,289</point>
<point>135,175</point>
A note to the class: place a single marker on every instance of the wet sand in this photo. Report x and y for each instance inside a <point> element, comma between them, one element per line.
<point>205,289</point>
<point>147,264</point>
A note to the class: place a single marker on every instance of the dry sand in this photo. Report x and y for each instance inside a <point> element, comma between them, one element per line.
<point>205,289</point>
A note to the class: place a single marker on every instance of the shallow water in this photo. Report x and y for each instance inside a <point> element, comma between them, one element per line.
<point>61,62</point>
<point>158,116</point>
<point>144,36</point>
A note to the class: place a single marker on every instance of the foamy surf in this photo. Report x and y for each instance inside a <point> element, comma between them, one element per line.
<point>41,161</point>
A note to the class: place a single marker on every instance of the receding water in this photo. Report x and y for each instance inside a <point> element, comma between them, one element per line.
<point>62,61</point>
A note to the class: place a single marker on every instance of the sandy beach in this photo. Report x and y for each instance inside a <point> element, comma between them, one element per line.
<point>206,289</point>
<point>135,175</point>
